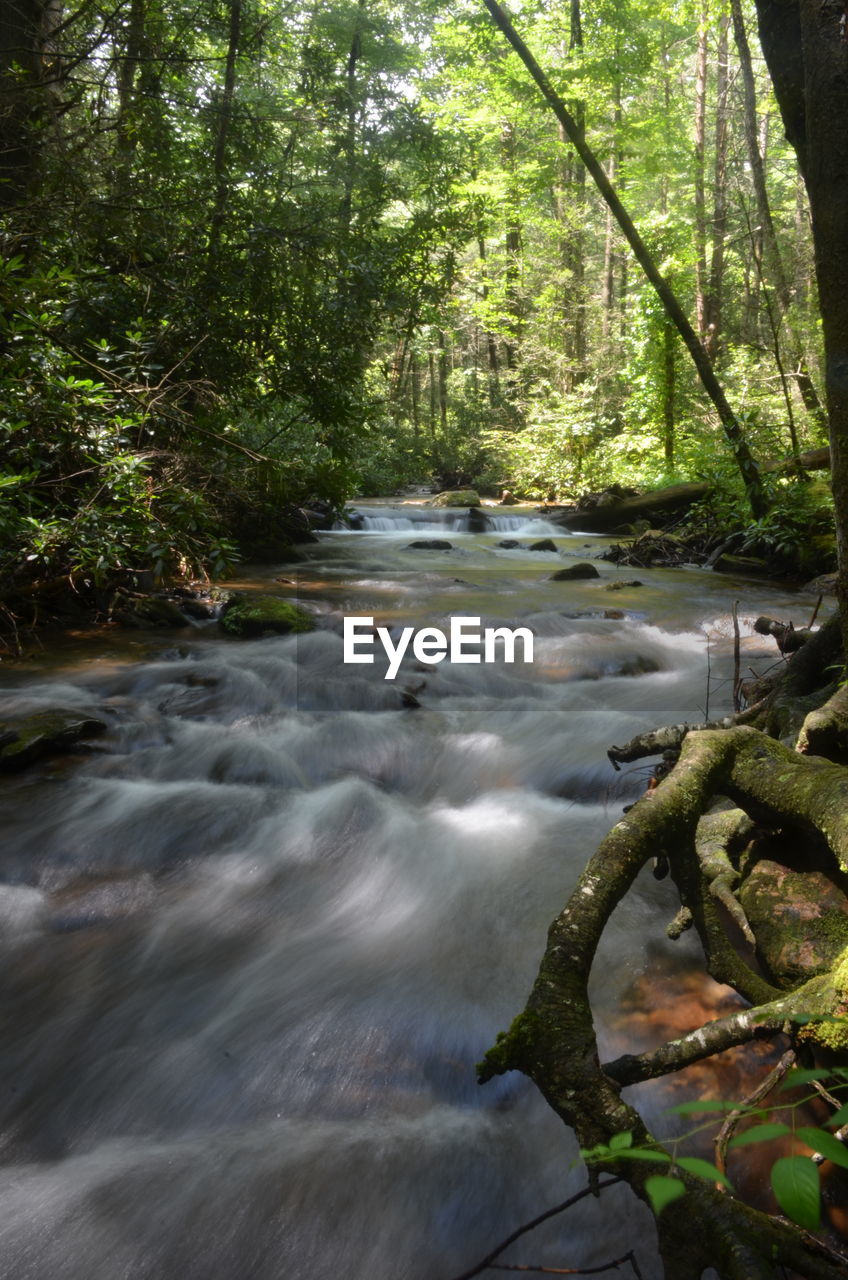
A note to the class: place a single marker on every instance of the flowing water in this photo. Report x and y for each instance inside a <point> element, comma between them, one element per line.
<point>254,945</point>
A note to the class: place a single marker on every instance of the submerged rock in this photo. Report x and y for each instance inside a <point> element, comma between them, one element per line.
<point>46,733</point>
<point>509,544</point>
<point>580,570</point>
<point>745,566</point>
<point>429,544</point>
<point>544,544</point>
<point>254,615</point>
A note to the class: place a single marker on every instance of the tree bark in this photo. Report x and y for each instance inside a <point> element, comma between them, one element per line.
<point>700,169</point>
<point>804,42</point>
<point>30,81</point>
<point>736,438</point>
<point>222,186</point>
<point>715,294</point>
<point>771,249</point>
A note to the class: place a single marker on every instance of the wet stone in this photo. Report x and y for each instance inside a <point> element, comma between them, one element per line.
<point>575,571</point>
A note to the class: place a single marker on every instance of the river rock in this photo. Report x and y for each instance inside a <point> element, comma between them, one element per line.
<point>46,733</point>
<point>509,544</point>
<point>823,585</point>
<point>508,499</point>
<point>744,566</point>
<point>544,544</point>
<point>620,584</point>
<point>148,611</point>
<point>800,920</point>
<point>429,544</point>
<point>456,498</point>
<point>574,571</point>
<point>255,615</point>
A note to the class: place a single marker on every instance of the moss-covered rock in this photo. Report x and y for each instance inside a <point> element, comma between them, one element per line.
<point>456,498</point>
<point>47,733</point>
<point>255,615</point>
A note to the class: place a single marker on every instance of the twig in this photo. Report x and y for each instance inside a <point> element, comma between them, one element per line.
<point>529,1226</point>
<point>574,1271</point>
<point>737,701</point>
<point>815,612</point>
<point>762,1090</point>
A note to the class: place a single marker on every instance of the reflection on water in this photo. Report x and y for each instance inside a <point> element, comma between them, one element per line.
<point>253,949</point>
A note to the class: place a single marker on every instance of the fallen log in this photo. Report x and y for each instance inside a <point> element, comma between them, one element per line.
<point>663,503</point>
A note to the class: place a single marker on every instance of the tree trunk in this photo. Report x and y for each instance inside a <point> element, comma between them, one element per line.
<point>491,343</point>
<point>443,382</point>
<point>715,294</point>
<point>30,82</point>
<point>733,431</point>
<point>775,270</point>
<point>700,169</point>
<point>225,115</point>
<point>804,42</point>
<point>513,271</point>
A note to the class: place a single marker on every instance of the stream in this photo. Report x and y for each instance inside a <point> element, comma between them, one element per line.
<point>255,942</point>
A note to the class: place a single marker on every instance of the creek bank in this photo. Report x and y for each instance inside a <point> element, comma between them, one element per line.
<point>31,606</point>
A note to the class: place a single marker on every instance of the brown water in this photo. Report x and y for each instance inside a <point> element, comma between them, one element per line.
<point>253,948</point>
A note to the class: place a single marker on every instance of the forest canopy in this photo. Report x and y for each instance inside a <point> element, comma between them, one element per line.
<point>258,255</point>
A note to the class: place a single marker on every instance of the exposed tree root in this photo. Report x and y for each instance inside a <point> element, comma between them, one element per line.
<point>553,1039</point>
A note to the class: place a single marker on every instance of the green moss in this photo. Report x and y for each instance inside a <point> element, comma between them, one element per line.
<point>512,1049</point>
<point>832,1032</point>
<point>253,616</point>
<point>456,498</point>
<point>44,734</point>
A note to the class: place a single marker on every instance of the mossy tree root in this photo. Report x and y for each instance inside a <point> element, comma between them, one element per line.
<point>553,1040</point>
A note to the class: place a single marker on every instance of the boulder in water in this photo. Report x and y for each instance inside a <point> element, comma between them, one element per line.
<point>575,571</point>
<point>46,733</point>
<point>509,544</point>
<point>544,544</point>
<point>456,498</point>
<point>429,544</point>
<point>508,499</point>
<point>255,615</point>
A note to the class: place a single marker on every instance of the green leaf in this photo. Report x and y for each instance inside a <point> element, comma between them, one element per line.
<point>795,1182</point>
<point>839,1117</point>
<point>703,1169</point>
<point>759,1133</point>
<point>794,1078</point>
<point>619,1141</point>
<point>825,1143</point>
<point>662,1190</point>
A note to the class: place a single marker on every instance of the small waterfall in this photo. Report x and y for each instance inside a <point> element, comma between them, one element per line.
<point>420,519</point>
